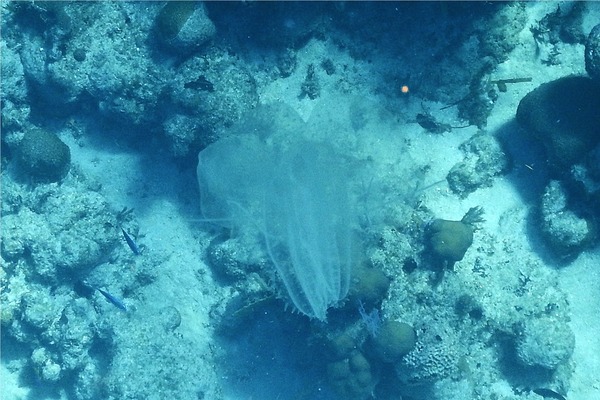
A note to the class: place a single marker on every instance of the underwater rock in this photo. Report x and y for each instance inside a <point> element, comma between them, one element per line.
<point>545,342</point>
<point>15,107</point>
<point>341,346</point>
<point>44,365</point>
<point>39,307</point>
<point>71,231</point>
<point>236,258</point>
<point>183,26</point>
<point>592,53</point>
<point>500,34</point>
<point>477,106</point>
<point>562,25</point>
<point>585,177</point>
<point>310,86</point>
<point>88,382</point>
<point>468,305</point>
<point>566,232</point>
<point>563,115</point>
<point>171,318</point>
<point>287,62</point>
<point>484,160</point>
<point>351,378</point>
<point>210,93</point>
<point>43,156</point>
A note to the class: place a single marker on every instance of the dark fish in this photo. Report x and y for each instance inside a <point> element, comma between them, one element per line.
<point>118,303</point>
<point>549,394</point>
<point>201,83</point>
<point>132,245</point>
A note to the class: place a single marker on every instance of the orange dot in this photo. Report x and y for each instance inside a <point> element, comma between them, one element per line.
<point>404,89</point>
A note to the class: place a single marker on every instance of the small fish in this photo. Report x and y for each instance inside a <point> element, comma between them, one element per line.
<point>548,394</point>
<point>132,245</point>
<point>118,303</point>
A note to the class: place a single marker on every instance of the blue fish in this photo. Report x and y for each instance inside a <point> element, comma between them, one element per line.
<point>116,302</point>
<point>548,394</point>
<point>131,243</point>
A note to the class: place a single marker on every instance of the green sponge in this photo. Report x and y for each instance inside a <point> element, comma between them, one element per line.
<point>394,340</point>
<point>450,239</point>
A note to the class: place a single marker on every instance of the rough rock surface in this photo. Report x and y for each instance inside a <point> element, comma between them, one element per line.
<point>592,53</point>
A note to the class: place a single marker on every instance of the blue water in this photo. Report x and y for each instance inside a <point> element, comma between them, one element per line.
<point>276,167</point>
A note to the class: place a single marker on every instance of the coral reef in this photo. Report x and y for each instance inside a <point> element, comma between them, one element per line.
<point>484,160</point>
<point>432,359</point>
<point>566,232</point>
<point>478,104</point>
<point>62,230</point>
<point>54,236</point>
<point>207,95</point>
<point>545,343</point>
<point>321,184</point>
<point>86,66</point>
<point>479,299</point>
<point>500,33</point>
<point>15,108</point>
